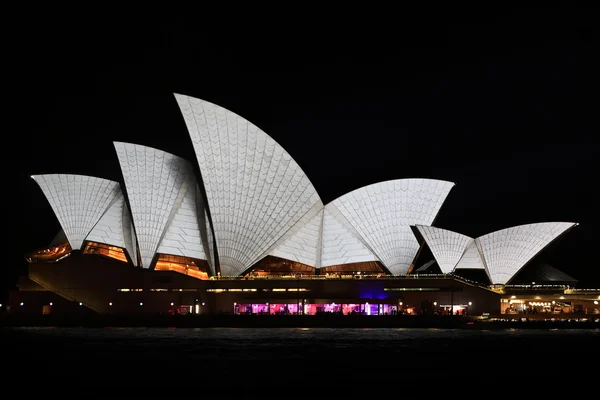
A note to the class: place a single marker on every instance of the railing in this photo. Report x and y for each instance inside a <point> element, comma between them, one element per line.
<point>326,277</point>
<point>364,277</point>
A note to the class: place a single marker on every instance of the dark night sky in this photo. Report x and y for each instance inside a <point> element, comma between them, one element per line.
<point>502,104</point>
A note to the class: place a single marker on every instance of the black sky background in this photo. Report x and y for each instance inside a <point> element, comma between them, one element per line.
<point>503,103</point>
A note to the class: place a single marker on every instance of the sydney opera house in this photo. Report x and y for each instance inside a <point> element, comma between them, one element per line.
<point>241,230</point>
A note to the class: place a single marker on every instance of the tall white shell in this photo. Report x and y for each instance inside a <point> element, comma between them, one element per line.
<point>256,192</point>
<point>156,183</point>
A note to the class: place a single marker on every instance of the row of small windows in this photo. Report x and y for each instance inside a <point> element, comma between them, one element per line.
<point>219,290</point>
<point>392,289</point>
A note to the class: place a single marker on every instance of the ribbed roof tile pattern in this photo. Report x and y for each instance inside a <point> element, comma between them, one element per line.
<point>382,214</point>
<point>155,182</point>
<point>78,201</point>
<point>506,251</point>
<point>115,227</point>
<point>183,236</point>
<point>341,244</point>
<point>471,259</point>
<point>446,246</point>
<point>255,190</point>
<point>303,245</point>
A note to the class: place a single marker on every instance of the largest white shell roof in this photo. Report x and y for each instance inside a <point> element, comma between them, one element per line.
<point>256,192</point>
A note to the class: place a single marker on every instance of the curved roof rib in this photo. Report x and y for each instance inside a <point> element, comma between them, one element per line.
<point>382,214</point>
<point>115,227</point>
<point>255,190</point>
<point>447,247</point>
<point>156,183</point>
<point>506,251</point>
<point>78,201</point>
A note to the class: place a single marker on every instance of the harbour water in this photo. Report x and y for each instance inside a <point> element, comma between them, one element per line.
<point>248,359</point>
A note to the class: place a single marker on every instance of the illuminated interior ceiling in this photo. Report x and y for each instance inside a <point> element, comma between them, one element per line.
<point>161,188</point>
<point>382,214</point>
<point>115,227</point>
<point>256,191</point>
<point>506,251</point>
<point>78,201</point>
<point>194,268</point>
<point>51,254</point>
<point>366,268</point>
<point>446,246</point>
<point>116,253</point>
<point>272,265</point>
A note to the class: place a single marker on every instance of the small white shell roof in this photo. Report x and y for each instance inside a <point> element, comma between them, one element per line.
<point>78,201</point>
<point>382,214</point>
<point>502,253</point>
<point>156,183</point>
<point>446,246</point>
<point>256,192</point>
<point>506,251</point>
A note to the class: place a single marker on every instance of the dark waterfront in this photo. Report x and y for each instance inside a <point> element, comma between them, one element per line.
<point>247,359</point>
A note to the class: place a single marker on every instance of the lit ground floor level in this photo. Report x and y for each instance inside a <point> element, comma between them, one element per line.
<point>91,286</point>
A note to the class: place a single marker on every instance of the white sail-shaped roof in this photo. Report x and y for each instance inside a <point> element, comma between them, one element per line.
<point>471,259</point>
<point>256,192</point>
<point>78,201</point>
<point>382,214</point>
<point>446,246</point>
<point>303,244</point>
<point>115,227</point>
<point>341,243</point>
<point>506,251</point>
<point>183,237</point>
<point>156,182</point>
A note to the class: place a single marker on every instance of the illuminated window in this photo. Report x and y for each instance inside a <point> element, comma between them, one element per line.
<point>184,265</point>
<point>101,249</point>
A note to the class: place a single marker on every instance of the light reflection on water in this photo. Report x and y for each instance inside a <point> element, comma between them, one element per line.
<point>311,349</point>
